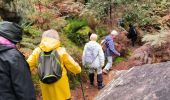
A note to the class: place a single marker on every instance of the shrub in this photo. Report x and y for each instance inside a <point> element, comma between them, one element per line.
<point>27,45</point>
<point>31,37</point>
<point>32,30</point>
<point>100,7</point>
<point>58,23</point>
<point>90,15</point>
<point>138,14</point>
<point>156,39</point>
<point>73,80</point>
<point>147,13</point>
<point>119,59</point>
<point>101,31</point>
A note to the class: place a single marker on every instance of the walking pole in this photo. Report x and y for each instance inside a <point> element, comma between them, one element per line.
<point>81,86</point>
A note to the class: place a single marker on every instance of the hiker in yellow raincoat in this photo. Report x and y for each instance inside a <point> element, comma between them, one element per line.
<point>59,90</point>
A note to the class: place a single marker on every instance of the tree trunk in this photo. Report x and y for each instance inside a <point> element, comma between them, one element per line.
<point>86,1</point>
<point>110,12</point>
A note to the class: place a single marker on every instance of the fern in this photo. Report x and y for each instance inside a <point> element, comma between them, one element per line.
<point>77,31</point>
<point>28,45</point>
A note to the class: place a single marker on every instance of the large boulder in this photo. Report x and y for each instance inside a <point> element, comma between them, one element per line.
<point>147,82</point>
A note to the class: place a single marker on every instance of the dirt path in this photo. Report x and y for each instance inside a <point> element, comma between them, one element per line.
<point>90,92</point>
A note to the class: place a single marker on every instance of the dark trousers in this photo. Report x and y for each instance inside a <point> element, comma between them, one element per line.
<point>133,40</point>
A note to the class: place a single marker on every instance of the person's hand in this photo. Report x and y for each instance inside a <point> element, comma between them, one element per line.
<point>119,54</point>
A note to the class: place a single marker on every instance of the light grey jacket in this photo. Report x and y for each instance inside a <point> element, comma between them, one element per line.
<point>96,49</point>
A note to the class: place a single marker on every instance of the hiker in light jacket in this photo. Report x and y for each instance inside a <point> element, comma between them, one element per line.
<point>110,50</point>
<point>59,90</point>
<point>15,76</point>
<point>93,53</point>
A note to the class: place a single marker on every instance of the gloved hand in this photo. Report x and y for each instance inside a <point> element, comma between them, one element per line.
<point>118,54</point>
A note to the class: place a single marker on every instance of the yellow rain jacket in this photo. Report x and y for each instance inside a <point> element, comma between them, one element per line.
<point>59,90</point>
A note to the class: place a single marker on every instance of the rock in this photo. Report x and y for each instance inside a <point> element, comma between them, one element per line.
<point>142,53</point>
<point>147,82</point>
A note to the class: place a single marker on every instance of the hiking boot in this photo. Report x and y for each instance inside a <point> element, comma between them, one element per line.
<point>100,81</point>
<point>91,77</point>
<point>100,87</point>
<point>105,71</point>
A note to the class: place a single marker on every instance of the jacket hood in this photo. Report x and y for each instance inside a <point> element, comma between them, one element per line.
<point>4,48</point>
<point>49,44</point>
<point>11,31</point>
<point>92,45</point>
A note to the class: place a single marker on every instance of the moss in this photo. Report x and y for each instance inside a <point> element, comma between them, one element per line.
<point>119,59</point>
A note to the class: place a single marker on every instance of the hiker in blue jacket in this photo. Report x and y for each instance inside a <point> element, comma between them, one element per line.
<point>110,50</point>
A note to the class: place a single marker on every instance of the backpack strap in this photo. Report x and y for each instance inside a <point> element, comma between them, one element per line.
<point>39,57</point>
<point>94,58</point>
<point>55,53</point>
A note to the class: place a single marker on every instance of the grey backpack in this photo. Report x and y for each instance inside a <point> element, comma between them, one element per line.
<point>89,56</point>
<point>49,67</point>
